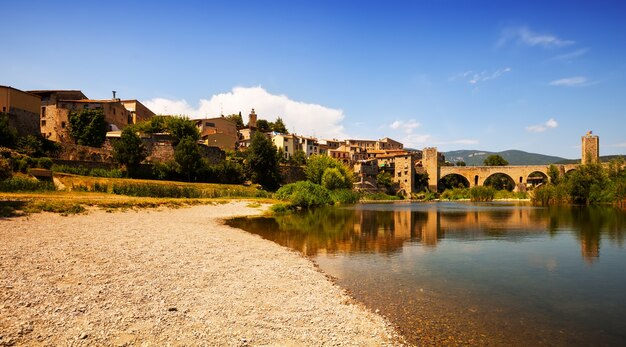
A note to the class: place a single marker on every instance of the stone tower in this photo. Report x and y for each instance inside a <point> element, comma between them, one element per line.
<point>430,162</point>
<point>591,148</point>
<point>252,119</point>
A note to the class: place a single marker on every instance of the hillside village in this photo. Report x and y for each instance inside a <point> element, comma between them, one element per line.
<point>45,114</point>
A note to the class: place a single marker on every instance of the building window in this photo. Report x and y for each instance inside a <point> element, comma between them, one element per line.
<point>286,148</point>
<point>209,124</point>
<point>62,125</point>
<point>43,112</point>
<point>43,123</point>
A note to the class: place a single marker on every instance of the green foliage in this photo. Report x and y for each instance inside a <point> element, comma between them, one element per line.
<point>237,119</point>
<point>495,160</point>
<point>6,171</point>
<point>550,194</point>
<point>378,196</point>
<point>24,184</point>
<point>262,162</point>
<point>263,126</point>
<point>298,158</point>
<point>333,179</point>
<point>588,183</point>
<point>421,181</point>
<point>165,170</point>
<point>304,194</point>
<point>8,134</point>
<point>456,194</point>
<point>553,174</point>
<point>344,196</point>
<point>29,145</point>
<point>129,150</point>
<point>83,171</point>
<point>318,164</point>
<point>181,127</point>
<point>500,181</point>
<point>505,194</point>
<point>452,181</point>
<point>279,208</point>
<point>384,179</point>
<point>157,190</point>
<point>44,163</point>
<point>187,155</point>
<point>482,193</point>
<point>460,163</point>
<point>279,126</point>
<point>88,127</point>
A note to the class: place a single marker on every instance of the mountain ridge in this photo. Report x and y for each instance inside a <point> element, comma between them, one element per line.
<point>514,157</point>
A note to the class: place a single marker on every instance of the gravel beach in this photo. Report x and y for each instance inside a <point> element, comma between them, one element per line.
<point>168,277</point>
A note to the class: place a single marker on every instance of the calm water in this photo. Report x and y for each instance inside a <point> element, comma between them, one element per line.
<point>472,274</point>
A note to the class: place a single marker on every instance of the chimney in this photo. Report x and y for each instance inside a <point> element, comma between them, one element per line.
<point>114,94</point>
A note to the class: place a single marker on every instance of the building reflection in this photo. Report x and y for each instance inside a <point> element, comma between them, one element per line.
<point>363,229</point>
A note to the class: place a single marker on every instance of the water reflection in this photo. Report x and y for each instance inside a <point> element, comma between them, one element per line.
<point>385,228</point>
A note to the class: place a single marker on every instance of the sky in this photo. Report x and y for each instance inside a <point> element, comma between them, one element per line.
<point>484,75</point>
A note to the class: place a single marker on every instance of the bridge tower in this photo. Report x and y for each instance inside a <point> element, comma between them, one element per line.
<point>430,162</point>
<point>591,148</point>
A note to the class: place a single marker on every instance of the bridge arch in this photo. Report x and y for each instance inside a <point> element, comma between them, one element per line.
<point>501,180</point>
<point>453,180</point>
<point>537,178</point>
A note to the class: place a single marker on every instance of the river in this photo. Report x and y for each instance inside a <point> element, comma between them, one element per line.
<point>489,274</point>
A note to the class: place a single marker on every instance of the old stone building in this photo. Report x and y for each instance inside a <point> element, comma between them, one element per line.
<point>22,109</point>
<point>56,106</point>
<point>218,132</point>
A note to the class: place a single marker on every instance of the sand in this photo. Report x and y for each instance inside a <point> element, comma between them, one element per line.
<point>168,277</point>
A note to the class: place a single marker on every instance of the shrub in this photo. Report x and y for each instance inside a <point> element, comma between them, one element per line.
<point>318,164</point>
<point>5,169</point>
<point>44,163</point>
<point>304,194</point>
<point>333,179</point>
<point>344,196</point>
<point>21,184</point>
<point>482,193</point>
<point>456,194</point>
<point>379,196</point>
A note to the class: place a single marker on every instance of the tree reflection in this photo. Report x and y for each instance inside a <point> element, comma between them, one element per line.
<point>384,229</point>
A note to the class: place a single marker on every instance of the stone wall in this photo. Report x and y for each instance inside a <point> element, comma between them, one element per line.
<point>69,151</point>
<point>292,173</point>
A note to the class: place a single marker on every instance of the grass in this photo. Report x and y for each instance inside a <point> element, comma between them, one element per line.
<point>83,192</point>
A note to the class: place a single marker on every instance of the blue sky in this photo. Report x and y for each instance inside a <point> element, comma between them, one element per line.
<point>489,75</point>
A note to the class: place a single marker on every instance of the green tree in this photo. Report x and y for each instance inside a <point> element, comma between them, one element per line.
<point>263,126</point>
<point>181,127</point>
<point>8,134</point>
<point>333,179</point>
<point>237,119</point>
<point>129,150</point>
<point>187,155</point>
<point>317,164</point>
<point>384,179</point>
<point>495,160</point>
<point>500,181</point>
<point>30,145</point>
<point>263,162</point>
<point>554,174</point>
<point>279,126</point>
<point>298,158</point>
<point>589,184</point>
<point>5,169</point>
<point>88,127</point>
<point>461,163</point>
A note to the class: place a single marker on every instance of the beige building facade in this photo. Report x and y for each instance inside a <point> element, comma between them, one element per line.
<point>22,108</point>
<point>218,132</point>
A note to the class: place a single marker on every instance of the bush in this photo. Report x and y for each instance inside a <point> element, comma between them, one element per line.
<point>317,165</point>
<point>332,179</point>
<point>482,193</point>
<point>44,163</point>
<point>304,194</point>
<point>5,169</point>
<point>24,184</point>
<point>379,196</point>
<point>344,196</point>
<point>456,194</point>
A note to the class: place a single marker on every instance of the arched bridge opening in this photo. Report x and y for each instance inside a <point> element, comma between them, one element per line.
<point>500,181</point>
<point>451,181</point>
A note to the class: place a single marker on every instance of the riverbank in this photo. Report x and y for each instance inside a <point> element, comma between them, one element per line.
<point>168,276</point>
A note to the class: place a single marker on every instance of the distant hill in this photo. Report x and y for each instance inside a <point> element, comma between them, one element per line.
<point>514,157</point>
<point>603,159</point>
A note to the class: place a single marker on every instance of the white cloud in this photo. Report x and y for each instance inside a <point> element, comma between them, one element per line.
<point>416,140</point>
<point>577,81</point>
<point>550,124</point>
<point>303,118</point>
<point>406,126</point>
<point>571,55</point>
<point>525,36</point>
<point>473,77</point>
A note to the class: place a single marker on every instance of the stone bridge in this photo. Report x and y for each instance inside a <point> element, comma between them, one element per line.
<point>519,174</point>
